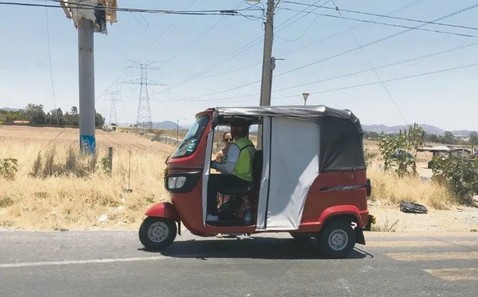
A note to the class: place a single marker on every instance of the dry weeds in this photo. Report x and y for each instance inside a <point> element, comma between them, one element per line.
<point>103,201</point>
<point>97,201</point>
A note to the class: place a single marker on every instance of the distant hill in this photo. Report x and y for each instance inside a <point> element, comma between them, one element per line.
<point>167,125</point>
<point>429,129</point>
<point>10,109</point>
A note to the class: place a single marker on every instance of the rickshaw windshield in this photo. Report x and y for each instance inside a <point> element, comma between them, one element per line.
<point>192,138</point>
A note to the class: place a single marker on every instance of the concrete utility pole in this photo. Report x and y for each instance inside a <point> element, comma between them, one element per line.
<point>267,61</point>
<point>86,77</point>
<point>89,16</point>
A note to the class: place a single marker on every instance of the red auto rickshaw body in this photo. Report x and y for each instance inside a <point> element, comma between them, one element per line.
<point>336,194</point>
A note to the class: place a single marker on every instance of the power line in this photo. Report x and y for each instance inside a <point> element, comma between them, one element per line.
<point>346,87</point>
<point>50,64</point>
<point>373,68</point>
<point>387,80</point>
<point>375,41</point>
<point>389,24</point>
<point>380,67</point>
<point>259,38</point>
<point>388,16</point>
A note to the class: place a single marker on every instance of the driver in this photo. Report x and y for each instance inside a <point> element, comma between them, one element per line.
<point>237,164</point>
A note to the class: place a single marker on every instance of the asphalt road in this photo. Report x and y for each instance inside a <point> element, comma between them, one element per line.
<point>108,264</point>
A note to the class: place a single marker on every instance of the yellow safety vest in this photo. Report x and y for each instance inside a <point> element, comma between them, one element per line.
<point>243,168</point>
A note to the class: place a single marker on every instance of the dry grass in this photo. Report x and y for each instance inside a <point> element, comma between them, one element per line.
<point>99,200</point>
<point>78,203</point>
<point>389,188</point>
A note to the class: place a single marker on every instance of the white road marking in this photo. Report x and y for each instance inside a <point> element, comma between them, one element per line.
<point>79,262</point>
<point>433,256</point>
<point>455,274</point>
<point>420,243</point>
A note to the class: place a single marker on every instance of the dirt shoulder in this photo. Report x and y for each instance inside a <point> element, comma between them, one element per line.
<point>456,219</point>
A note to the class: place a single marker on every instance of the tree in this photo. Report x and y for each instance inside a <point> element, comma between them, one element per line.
<point>449,138</point>
<point>74,110</point>
<point>99,120</point>
<point>35,114</point>
<point>473,138</point>
<point>399,151</point>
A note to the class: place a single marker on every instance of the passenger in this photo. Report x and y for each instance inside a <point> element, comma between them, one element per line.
<point>226,140</point>
<point>236,166</point>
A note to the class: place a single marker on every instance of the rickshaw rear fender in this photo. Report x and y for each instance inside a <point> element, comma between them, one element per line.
<point>348,212</point>
<point>341,211</point>
<point>163,210</point>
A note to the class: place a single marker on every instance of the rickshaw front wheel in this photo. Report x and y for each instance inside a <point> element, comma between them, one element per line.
<point>157,233</point>
<point>337,239</point>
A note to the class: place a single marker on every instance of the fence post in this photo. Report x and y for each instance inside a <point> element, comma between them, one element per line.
<point>110,159</point>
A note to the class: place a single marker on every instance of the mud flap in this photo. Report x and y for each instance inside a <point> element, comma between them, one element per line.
<point>360,238</point>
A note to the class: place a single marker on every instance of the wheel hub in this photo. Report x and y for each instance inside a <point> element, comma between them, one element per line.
<point>158,232</point>
<point>338,240</point>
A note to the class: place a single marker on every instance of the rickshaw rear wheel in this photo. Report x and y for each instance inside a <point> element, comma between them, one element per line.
<point>337,239</point>
<point>157,233</point>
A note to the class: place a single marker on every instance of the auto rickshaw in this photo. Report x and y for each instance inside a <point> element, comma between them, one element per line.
<point>309,179</point>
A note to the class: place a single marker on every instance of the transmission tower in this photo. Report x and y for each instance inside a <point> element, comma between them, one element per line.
<point>143,118</point>
<point>113,117</point>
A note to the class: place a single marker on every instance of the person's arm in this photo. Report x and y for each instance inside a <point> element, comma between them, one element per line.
<point>231,158</point>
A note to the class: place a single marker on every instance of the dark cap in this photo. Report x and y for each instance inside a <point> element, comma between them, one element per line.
<point>239,122</point>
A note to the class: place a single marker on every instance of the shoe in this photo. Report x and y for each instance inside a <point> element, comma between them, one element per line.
<point>243,236</point>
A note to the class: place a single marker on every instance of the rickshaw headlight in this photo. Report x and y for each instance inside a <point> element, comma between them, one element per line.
<point>176,182</point>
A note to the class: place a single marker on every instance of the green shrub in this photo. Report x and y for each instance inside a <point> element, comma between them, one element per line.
<point>8,168</point>
<point>460,175</point>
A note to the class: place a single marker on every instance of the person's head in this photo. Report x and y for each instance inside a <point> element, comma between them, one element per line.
<point>227,137</point>
<point>239,128</point>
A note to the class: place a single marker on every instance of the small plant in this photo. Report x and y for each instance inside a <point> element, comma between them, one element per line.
<point>49,165</point>
<point>105,164</point>
<point>74,164</point>
<point>36,169</point>
<point>386,227</point>
<point>6,201</point>
<point>8,168</point>
<point>399,151</point>
<point>459,174</point>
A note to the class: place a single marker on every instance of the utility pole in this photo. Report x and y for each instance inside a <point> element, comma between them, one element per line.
<point>88,19</point>
<point>86,78</point>
<point>268,62</point>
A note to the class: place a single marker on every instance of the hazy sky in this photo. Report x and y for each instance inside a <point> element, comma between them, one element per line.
<point>206,61</point>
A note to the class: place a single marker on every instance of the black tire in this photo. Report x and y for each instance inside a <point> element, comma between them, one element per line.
<point>337,239</point>
<point>157,234</point>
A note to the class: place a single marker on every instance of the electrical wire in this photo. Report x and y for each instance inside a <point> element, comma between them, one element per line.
<point>387,80</point>
<point>389,94</point>
<point>285,24</point>
<point>389,24</point>
<point>50,63</point>
<point>375,41</point>
<point>341,88</point>
<point>379,67</point>
<point>388,16</point>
